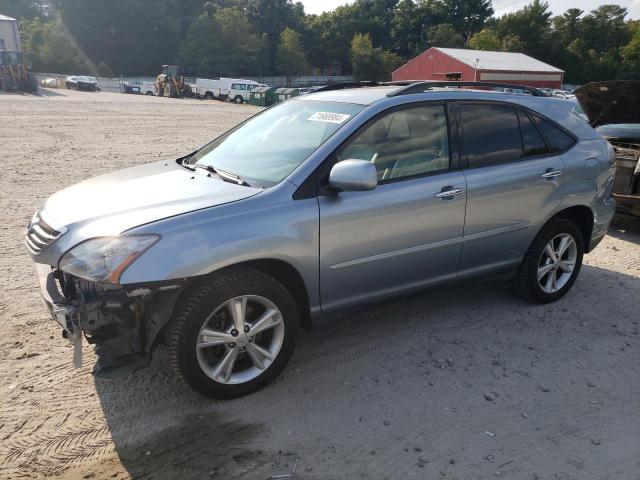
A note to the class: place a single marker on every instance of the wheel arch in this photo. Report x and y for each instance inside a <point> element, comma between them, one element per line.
<point>289,277</point>
<point>582,216</point>
<point>284,273</point>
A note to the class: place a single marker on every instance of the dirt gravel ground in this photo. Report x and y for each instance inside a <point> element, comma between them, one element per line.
<point>462,382</point>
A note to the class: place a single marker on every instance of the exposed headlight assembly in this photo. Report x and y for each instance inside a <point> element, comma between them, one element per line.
<point>104,259</point>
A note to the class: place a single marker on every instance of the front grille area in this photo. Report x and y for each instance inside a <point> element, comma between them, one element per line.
<point>626,150</point>
<point>40,235</point>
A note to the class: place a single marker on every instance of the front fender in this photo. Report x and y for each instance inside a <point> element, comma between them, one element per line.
<point>205,241</point>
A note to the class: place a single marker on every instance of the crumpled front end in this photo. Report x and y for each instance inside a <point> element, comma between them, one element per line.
<point>626,189</point>
<point>123,322</point>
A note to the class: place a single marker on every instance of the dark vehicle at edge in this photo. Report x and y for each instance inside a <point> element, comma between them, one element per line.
<point>82,82</point>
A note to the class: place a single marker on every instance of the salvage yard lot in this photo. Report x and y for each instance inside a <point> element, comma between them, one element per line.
<point>462,382</point>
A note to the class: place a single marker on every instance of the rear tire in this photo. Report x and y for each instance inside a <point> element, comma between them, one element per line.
<point>199,358</point>
<point>33,81</point>
<point>238,99</point>
<point>552,262</point>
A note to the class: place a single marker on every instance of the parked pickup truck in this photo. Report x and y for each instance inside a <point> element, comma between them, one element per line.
<point>240,90</point>
<point>233,89</point>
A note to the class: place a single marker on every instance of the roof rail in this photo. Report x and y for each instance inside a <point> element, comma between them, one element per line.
<point>343,85</point>
<point>363,84</point>
<point>420,87</point>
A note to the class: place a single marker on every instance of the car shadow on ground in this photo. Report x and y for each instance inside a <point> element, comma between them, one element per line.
<point>626,227</point>
<point>326,411</point>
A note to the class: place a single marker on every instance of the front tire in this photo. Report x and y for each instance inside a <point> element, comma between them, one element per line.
<point>233,333</point>
<point>552,263</point>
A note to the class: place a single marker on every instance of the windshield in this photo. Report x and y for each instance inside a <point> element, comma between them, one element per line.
<point>269,146</point>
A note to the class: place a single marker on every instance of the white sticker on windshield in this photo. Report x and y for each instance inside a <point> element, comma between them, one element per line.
<point>329,117</point>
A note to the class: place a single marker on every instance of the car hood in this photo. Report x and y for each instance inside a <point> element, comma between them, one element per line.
<point>113,203</point>
<point>614,101</point>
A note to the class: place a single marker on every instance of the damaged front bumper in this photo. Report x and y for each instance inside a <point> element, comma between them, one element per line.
<point>123,322</point>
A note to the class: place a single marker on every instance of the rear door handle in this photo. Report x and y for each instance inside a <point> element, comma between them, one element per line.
<point>448,193</point>
<point>551,173</point>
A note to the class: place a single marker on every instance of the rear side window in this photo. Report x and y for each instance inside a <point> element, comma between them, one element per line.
<point>532,142</point>
<point>558,140</point>
<point>492,133</point>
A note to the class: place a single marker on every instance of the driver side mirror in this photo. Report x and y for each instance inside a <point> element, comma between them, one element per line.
<point>353,176</point>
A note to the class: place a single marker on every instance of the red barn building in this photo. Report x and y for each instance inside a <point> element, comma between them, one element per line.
<point>477,65</point>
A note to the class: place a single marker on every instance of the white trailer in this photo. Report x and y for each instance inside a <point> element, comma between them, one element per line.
<point>148,88</point>
<point>207,88</point>
<point>9,37</point>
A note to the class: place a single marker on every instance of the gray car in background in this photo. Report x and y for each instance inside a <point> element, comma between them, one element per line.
<point>330,200</point>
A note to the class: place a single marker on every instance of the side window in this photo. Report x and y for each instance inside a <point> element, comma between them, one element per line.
<point>404,143</point>
<point>558,140</point>
<point>532,142</point>
<point>492,133</point>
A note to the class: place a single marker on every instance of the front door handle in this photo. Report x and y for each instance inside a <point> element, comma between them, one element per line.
<point>448,193</point>
<point>551,173</point>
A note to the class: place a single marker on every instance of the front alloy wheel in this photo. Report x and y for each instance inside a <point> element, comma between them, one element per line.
<point>240,339</point>
<point>233,333</point>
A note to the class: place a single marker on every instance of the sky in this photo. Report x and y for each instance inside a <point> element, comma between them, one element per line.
<point>503,6</point>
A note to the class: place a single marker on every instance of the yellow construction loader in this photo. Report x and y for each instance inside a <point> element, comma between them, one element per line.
<point>14,73</point>
<point>171,83</point>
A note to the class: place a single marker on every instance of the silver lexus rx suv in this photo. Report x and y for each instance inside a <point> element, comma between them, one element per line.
<point>326,201</point>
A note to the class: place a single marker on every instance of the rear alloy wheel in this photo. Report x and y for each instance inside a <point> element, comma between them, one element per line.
<point>556,263</point>
<point>238,99</point>
<point>233,334</point>
<point>552,263</point>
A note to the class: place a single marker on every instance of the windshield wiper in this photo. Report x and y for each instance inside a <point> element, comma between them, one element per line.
<point>184,161</point>
<point>208,168</point>
<point>232,177</point>
<point>226,176</point>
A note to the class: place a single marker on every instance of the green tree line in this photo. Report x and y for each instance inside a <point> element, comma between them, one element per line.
<point>367,38</point>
